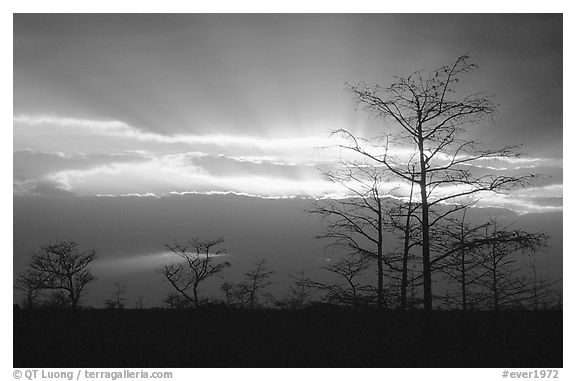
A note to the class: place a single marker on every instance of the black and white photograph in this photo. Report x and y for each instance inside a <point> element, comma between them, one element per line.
<point>287,190</point>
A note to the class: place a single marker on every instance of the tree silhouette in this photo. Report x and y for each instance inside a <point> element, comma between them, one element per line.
<point>428,116</point>
<point>119,299</point>
<point>463,265</point>
<point>497,249</point>
<point>299,290</point>
<point>175,300</point>
<point>356,224</point>
<point>201,262</point>
<point>402,222</point>
<point>256,280</point>
<point>29,283</point>
<point>542,292</point>
<point>351,292</point>
<point>62,267</point>
<point>228,289</point>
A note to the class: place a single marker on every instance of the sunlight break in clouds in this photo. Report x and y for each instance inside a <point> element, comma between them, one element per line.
<point>118,129</point>
<point>271,167</point>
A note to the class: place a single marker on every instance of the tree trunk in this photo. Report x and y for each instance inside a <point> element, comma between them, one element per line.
<point>380,260</point>
<point>463,263</point>
<point>426,265</point>
<point>404,285</point>
<point>495,281</point>
<point>195,289</point>
<point>463,280</point>
<point>463,266</point>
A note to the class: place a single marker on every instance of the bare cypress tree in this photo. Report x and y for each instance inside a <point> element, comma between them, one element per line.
<point>498,247</point>
<point>351,292</point>
<point>201,262</point>
<point>427,115</point>
<point>356,223</point>
<point>463,264</point>
<point>256,280</point>
<point>62,267</point>
<point>29,283</point>
<point>228,289</point>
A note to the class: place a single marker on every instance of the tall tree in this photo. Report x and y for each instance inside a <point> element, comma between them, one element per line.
<point>428,117</point>
<point>201,261</point>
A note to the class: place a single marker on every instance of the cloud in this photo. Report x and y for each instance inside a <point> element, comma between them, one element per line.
<point>118,129</point>
<point>223,166</point>
<point>44,187</point>
<point>268,167</point>
<point>542,199</point>
<point>30,164</point>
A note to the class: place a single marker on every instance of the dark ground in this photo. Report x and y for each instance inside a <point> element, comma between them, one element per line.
<point>314,337</point>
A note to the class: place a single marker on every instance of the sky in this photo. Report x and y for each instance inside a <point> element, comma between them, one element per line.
<point>141,114</point>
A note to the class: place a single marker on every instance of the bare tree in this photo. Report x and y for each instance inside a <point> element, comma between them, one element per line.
<point>256,280</point>
<point>542,292</point>
<point>139,303</point>
<point>228,290</point>
<point>500,277</point>
<point>176,301</point>
<point>463,266</point>
<point>351,292</point>
<point>299,290</point>
<point>62,267</point>
<point>427,115</point>
<point>29,282</point>
<point>356,224</point>
<point>201,262</point>
<point>401,221</point>
<point>299,293</point>
<point>119,299</point>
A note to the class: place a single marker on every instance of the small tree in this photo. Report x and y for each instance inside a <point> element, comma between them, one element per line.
<point>498,248</point>
<point>175,301</point>
<point>351,292</point>
<point>28,283</point>
<point>256,280</point>
<point>299,290</point>
<point>541,291</point>
<point>201,262</point>
<point>228,289</point>
<point>299,293</point>
<point>119,299</point>
<point>62,267</point>
<point>463,265</point>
